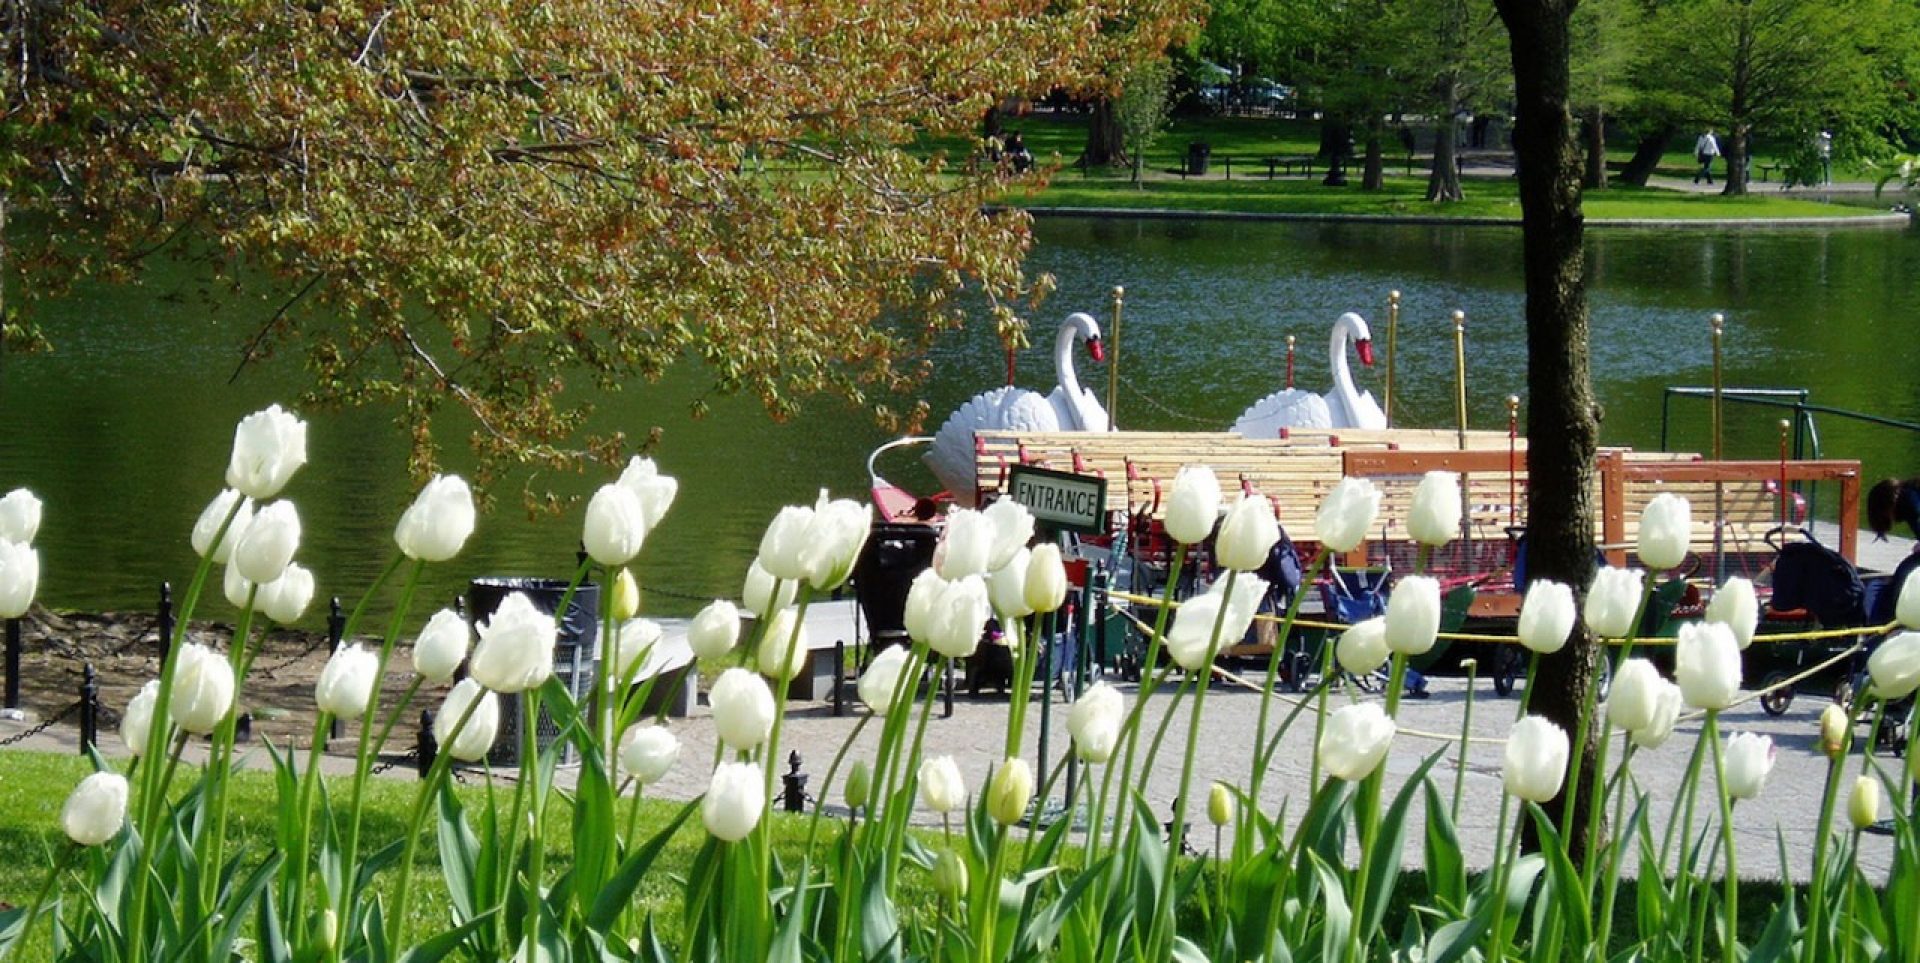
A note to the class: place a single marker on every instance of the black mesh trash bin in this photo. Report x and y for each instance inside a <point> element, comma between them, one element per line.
<point>575,656</point>
<point>893,556</point>
<point>1198,153</point>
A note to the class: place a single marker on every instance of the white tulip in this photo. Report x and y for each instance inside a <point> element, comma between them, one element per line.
<point>286,598</point>
<point>1435,516</point>
<point>1863,806</point>
<point>1346,515</point>
<point>1221,804</point>
<point>515,652</point>
<point>835,537</point>
<point>268,447</point>
<point>948,616</point>
<point>136,724</point>
<point>966,546</point>
<point>1706,664</point>
<point>950,876</point>
<point>19,516</point>
<point>1749,758</point>
<point>1355,741</point>
<point>19,578</point>
<point>1666,713</point>
<point>783,547</point>
<point>1094,721</point>
<point>96,810</point>
<point>735,799</point>
<point>202,688</point>
<point>1192,640</point>
<point>1247,534</point>
<point>475,738</point>
<point>859,785</point>
<point>346,684</point>
<point>1666,529</point>
<point>1613,600</point>
<point>634,641</point>
<point>236,588</point>
<point>1010,791</point>
<point>1046,588</point>
<point>215,515</point>
<point>763,594</point>
<point>1546,616</point>
<point>1894,666</point>
<point>942,788</point>
<point>1363,646</point>
<point>655,491</point>
<point>1736,606</point>
<point>1634,695</point>
<point>441,647</point>
<point>715,631</point>
<point>1834,729</point>
<point>437,524</point>
<point>1536,759</point>
<point>1007,586</point>
<point>616,525</point>
<point>882,679</point>
<point>1907,605</point>
<point>1012,530</point>
<point>648,752</point>
<point>742,709</point>
<point>784,649</point>
<point>922,596</point>
<point>1193,506</point>
<point>625,600</point>
<point>1413,615</point>
<point>267,546</point>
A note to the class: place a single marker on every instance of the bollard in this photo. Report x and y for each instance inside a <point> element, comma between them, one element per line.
<point>13,663</point>
<point>946,683</point>
<point>166,619</point>
<point>425,747</point>
<point>793,783</point>
<point>336,632</point>
<point>243,728</point>
<point>839,677</point>
<point>89,710</point>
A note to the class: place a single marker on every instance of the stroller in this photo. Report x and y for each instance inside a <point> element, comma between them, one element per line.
<point>1354,595</point>
<point>1812,585</point>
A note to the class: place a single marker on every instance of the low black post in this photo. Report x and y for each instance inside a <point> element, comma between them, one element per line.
<point>166,619</point>
<point>793,785</point>
<point>426,746</point>
<point>1044,639</point>
<point>13,663</point>
<point>89,709</point>
<point>839,677</point>
<point>946,685</point>
<point>243,728</point>
<point>336,631</point>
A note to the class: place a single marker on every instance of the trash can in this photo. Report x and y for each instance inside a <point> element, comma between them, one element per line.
<point>1198,152</point>
<point>575,655</point>
<point>893,556</point>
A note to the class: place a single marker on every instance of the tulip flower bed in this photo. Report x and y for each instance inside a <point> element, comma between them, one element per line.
<point>932,861</point>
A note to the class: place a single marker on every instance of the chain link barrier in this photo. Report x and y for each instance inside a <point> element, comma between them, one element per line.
<point>42,726</point>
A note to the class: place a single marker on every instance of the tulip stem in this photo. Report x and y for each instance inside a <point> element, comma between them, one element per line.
<point>1611,878</point>
<point>1026,654</point>
<point>1836,767</point>
<point>1152,658</point>
<point>1466,740</point>
<point>783,686</point>
<point>1730,922</point>
<point>1164,912</point>
<point>67,853</point>
<point>220,759</point>
<point>296,866</point>
<point>1285,634</point>
<point>1502,867</point>
<point>820,802</point>
<point>436,776</point>
<point>1526,688</point>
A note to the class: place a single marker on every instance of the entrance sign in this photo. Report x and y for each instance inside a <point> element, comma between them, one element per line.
<point>1060,500</point>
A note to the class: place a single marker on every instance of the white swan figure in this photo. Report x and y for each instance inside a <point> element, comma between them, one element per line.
<point>1069,408</point>
<point>1344,407</point>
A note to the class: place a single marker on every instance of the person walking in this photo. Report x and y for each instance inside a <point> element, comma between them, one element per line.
<point>1705,150</point>
<point>1823,145</point>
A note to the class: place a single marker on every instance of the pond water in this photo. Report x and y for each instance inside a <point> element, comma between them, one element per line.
<point>124,429</point>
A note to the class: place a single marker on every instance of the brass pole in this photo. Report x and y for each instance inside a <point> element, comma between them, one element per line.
<point>1289,361</point>
<point>1460,373</point>
<point>1719,491</point>
<point>1785,514</point>
<point>1393,328</point>
<point>1113,360</point>
<point>1719,329</point>
<point>1513,460</point>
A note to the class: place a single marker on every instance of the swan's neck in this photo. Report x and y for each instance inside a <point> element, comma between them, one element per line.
<point>1342,376</point>
<point>1063,372</point>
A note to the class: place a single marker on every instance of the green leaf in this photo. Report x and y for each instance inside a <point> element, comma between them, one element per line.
<point>1338,919</point>
<point>1383,857</point>
<point>1570,896</point>
<point>459,852</point>
<point>618,891</point>
<point>440,944</point>
<point>1446,869</point>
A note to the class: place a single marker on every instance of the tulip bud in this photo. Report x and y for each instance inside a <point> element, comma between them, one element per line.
<point>1863,807</point>
<point>438,522</point>
<point>1355,741</point>
<point>783,547</point>
<point>268,447</point>
<point>329,933</point>
<point>1735,606</point>
<point>1192,640</point>
<point>715,631</point>
<point>1706,664</point>
<point>648,752</point>
<point>1247,534</point>
<point>1012,527</point>
<point>475,737</point>
<point>347,682</point>
<point>268,544</point>
<point>1194,505</point>
<point>624,602</point>
<point>942,788</point>
<point>1666,713</point>
<point>441,647</point>
<point>835,536</point>
<point>1009,792</point>
<point>965,547</point>
<point>137,722</point>
<point>654,490</point>
<point>1635,695</point>
<point>1363,646</point>
<point>1895,666</point>
<point>735,800</point>
<point>634,641</point>
<point>1907,606</point>
<point>1094,722</point>
<point>286,598</point>
<point>96,810</point>
<point>1666,529</point>
<point>957,617</point>
<point>516,646</point>
<point>882,679</point>
<point>1748,761</point>
<point>19,578</point>
<point>1613,600</point>
<point>742,709</point>
<point>1220,805</point>
<point>1834,730</point>
<point>1007,586</point>
<point>1536,759</point>
<point>1046,588</point>
<point>214,516</point>
<point>859,785</point>
<point>950,876</point>
<point>19,516</point>
<point>1546,616</point>
<point>1435,516</point>
<point>1346,515</point>
<point>784,648</point>
<point>616,525</point>
<point>202,688</point>
<point>763,594</point>
<point>1413,615</point>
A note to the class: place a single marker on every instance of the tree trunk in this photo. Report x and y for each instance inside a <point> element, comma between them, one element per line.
<point>1443,181</point>
<point>1562,417</point>
<point>1374,175</point>
<point>1737,160</point>
<point>1595,127</point>
<point>1336,147</point>
<point>990,122</point>
<point>1647,154</point>
<point>1106,142</point>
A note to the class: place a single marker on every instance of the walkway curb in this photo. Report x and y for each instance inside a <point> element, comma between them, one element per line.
<point>1892,220</point>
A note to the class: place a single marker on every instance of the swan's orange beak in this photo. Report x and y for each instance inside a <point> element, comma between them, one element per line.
<point>1096,349</point>
<point>1365,347</point>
